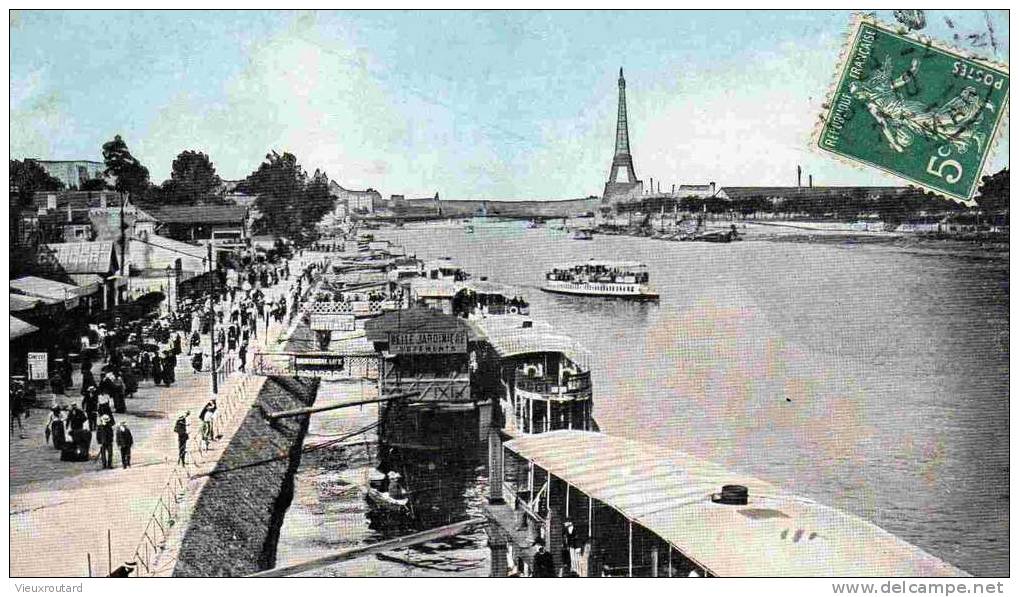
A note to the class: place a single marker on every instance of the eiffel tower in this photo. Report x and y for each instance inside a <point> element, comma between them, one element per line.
<point>622,179</point>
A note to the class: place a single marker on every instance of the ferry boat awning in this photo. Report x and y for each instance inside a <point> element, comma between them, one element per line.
<point>775,534</point>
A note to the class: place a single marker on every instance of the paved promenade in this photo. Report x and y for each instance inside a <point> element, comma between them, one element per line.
<point>64,515</point>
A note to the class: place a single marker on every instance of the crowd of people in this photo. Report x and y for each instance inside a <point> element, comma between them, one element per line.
<point>116,359</point>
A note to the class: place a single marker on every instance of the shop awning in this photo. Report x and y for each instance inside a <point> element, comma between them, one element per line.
<point>88,283</point>
<point>43,288</point>
<point>20,302</point>
<point>20,328</point>
<point>775,534</point>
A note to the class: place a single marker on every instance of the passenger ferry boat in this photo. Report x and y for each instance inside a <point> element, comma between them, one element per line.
<point>601,278</point>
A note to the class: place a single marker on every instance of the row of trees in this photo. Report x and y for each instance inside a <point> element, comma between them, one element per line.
<point>290,200</point>
<point>893,206</point>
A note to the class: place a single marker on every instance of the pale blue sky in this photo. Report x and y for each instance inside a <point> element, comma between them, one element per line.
<point>505,105</point>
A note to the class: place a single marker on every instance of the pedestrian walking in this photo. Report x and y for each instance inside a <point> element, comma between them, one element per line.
<point>104,407</point>
<point>76,418</point>
<point>118,390</point>
<point>104,437</point>
<point>87,378</point>
<point>55,429</point>
<point>19,406</point>
<point>90,404</point>
<point>180,427</point>
<point>157,370</point>
<point>169,368</point>
<point>196,361</point>
<point>206,416</point>
<point>124,441</point>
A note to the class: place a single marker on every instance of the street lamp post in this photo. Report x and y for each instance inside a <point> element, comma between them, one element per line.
<point>212,326</point>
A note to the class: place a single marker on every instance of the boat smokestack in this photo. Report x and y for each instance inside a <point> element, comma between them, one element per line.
<point>732,495</point>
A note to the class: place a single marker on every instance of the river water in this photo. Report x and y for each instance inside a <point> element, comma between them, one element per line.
<point>870,377</point>
<point>894,361</point>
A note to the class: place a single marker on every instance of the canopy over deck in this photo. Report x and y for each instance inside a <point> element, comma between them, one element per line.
<point>775,534</point>
<point>486,287</point>
<point>507,336</point>
<point>603,263</point>
<point>442,289</point>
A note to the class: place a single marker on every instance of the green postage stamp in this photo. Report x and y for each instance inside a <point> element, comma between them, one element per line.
<point>915,109</point>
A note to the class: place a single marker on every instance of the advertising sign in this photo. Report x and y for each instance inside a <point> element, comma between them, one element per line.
<point>319,364</point>
<point>332,322</point>
<point>428,342</point>
<point>37,366</point>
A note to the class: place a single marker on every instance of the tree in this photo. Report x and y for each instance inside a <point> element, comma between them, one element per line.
<point>317,200</point>
<point>94,184</point>
<point>993,193</point>
<point>28,177</point>
<point>131,176</point>
<point>278,185</point>
<point>193,180</point>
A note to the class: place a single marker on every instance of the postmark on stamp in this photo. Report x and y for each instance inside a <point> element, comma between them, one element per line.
<point>915,109</point>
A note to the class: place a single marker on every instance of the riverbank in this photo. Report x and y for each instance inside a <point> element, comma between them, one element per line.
<point>234,527</point>
<point>854,372</point>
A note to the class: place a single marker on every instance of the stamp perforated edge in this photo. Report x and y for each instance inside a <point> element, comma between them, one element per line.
<point>860,19</point>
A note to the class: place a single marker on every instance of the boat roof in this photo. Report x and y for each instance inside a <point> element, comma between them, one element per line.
<point>434,264</point>
<point>603,263</point>
<point>776,534</point>
<point>486,287</point>
<point>424,287</point>
<point>509,338</point>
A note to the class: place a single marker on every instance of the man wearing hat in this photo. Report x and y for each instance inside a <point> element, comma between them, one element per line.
<point>544,567</point>
<point>180,427</point>
<point>396,490</point>
<point>104,436</point>
<point>124,441</point>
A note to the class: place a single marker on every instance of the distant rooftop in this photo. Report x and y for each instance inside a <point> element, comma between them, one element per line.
<point>199,214</point>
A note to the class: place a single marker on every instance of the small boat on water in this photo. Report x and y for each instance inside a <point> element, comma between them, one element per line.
<point>619,279</point>
<point>533,224</point>
<point>384,501</point>
<point>381,490</point>
<point>582,234</point>
<point>469,228</point>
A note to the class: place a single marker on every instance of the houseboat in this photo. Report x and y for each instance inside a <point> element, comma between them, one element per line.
<point>601,278</point>
<point>640,509</point>
<point>544,377</point>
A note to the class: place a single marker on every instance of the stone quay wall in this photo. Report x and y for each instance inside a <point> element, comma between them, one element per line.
<point>234,528</point>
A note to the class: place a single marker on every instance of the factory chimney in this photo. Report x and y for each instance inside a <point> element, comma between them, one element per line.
<point>799,176</point>
<point>810,178</point>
